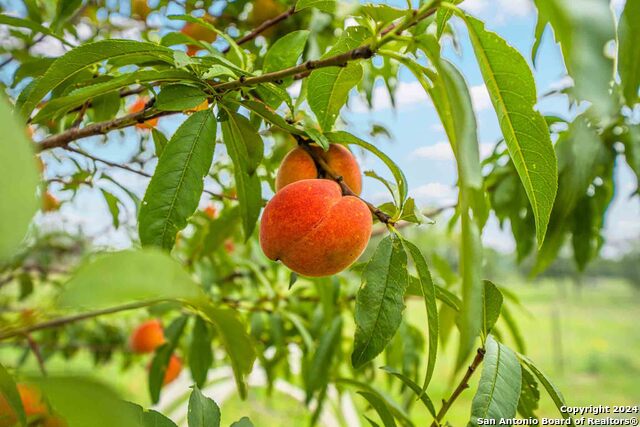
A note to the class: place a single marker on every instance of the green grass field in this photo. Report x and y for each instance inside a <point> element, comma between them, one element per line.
<point>594,360</point>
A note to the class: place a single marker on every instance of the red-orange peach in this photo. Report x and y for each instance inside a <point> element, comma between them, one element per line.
<point>298,165</point>
<point>138,106</point>
<point>313,229</point>
<point>173,369</point>
<point>147,337</point>
<point>199,32</point>
<point>32,403</point>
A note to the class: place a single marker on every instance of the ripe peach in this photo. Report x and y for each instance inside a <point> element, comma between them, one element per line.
<point>264,10</point>
<point>50,203</point>
<point>313,229</point>
<point>32,403</point>
<point>199,32</point>
<point>147,337</point>
<point>211,211</point>
<point>173,369</point>
<point>140,9</point>
<point>139,106</point>
<point>298,165</point>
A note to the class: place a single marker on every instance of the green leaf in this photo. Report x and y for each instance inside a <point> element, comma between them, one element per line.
<point>20,177</point>
<point>324,5</point>
<point>85,402</point>
<point>398,412</point>
<point>452,100</point>
<point>236,342</point>
<point>9,392</point>
<point>152,418</point>
<point>14,21</point>
<point>381,408</point>
<point>113,205</point>
<point>242,422</point>
<point>284,53</point>
<point>492,303</point>
<point>318,376</point>
<point>159,141</point>
<point>245,147</point>
<point>513,93</point>
<point>179,97</point>
<point>269,115</point>
<point>162,356</point>
<point>529,395</point>
<point>380,300</point>
<point>429,296</point>
<point>126,276</point>
<point>583,34</point>
<point>470,320</point>
<point>200,353</point>
<point>499,388</point>
<point>83,56</point>
<point>342,137</point>
<point>105,107</point>
<point>328,88</point>
<point>177,183</point>
<point>414,387</point>
<point>382,13</point>
<point>203,412</point>
<point>551,389</point>
<point>629,52</point>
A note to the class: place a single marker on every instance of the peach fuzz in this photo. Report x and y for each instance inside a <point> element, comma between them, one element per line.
<point>313,229</point>
<point>298,165</point>
<point>147,337</point>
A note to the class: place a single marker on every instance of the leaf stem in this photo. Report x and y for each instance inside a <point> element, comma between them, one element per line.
<point>463,385</point>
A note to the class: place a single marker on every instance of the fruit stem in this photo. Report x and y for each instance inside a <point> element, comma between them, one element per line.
<point>325,170</point>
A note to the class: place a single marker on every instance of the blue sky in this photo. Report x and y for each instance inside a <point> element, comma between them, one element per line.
<point>419,144</point>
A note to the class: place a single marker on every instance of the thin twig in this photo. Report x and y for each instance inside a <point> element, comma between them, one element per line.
<point>462,386</point>
<point>61,321</point>
<point>36,352</point>
<point>263,27</point>
<point>218,196</point>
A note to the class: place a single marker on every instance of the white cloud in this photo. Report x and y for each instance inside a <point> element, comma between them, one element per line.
<point>438,151</point>
<point>435,193</point>
<point>442,151</point>
<point>498,11</point>
<point>480,98</point>
<point>407,94</point>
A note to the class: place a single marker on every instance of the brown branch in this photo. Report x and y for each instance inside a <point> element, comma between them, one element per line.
<point>462,386</point>
<point>263,27</point>
<point>33,345</point>
<point>340,60</point>
<point>327,171</point>
<point>61,321</point>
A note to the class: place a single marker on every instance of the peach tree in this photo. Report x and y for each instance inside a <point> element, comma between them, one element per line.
<point>255,90</point>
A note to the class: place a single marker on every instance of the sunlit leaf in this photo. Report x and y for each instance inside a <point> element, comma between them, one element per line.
<point>203,412</point>
<point>629,51</point>
<point>177,183</point>
<point>179,97</point>
<point>499,388</point>
<point>18,202</point>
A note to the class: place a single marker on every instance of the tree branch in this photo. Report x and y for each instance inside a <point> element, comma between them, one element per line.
<point>462,386</point>
<point>72,319</point>
<point>262,27</point>
<point>361,52</point>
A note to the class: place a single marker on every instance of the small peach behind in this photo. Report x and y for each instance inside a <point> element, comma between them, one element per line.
<point>140,9</point>
<point>298,165</point>
<point>147,337</point>
<point>50,203</point>
<point>199,32</point>
<point>313,229</point>
<point>173,369</point>
<point>32,403</point>
<point>138,106</point>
